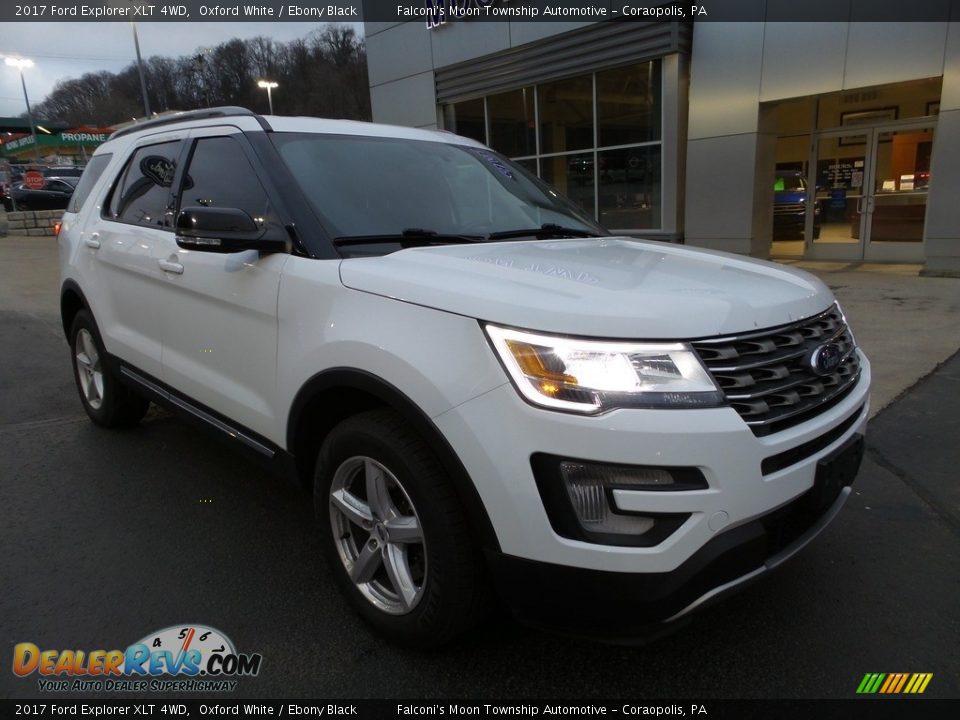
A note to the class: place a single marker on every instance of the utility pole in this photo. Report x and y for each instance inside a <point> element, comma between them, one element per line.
<point>143,79</point>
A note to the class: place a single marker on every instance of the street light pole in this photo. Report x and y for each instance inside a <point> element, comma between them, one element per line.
<point>143,80</point>
<point>268,85</point>
<point>20,64</point>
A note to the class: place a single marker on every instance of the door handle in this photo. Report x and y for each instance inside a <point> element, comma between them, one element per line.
<point>171,266</point>
<point>92,240</point>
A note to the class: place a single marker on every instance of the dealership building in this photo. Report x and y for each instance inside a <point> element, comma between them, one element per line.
<point>821,140</point>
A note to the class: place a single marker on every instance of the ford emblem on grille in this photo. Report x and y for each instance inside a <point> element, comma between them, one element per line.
<point>825,359</point>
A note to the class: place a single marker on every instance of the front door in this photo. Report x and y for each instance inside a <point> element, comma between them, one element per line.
<point>220,309</point>
<point>867,192</point>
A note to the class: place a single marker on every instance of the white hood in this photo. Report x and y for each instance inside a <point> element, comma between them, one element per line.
<point>599,287</point>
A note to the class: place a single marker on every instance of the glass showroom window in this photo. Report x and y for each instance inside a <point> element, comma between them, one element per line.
<point>467,119</point>
<point>597,138</point>
<point>628,122</point>
<point>566,114</point>
<point>513,125</point>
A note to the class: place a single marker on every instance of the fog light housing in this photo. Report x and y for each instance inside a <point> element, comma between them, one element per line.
<point>587,486</point>
<point>578,497</point>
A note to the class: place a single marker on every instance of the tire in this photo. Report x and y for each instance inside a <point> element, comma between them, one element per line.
<point>405,560</point>
<point>106,400</point>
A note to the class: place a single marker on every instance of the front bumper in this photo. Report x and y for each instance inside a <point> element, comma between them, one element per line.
<point>724,540</point>
<point>632,606</point>
<point>495,435</point>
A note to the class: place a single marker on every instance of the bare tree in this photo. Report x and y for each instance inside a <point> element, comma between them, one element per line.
<point>322,75</point>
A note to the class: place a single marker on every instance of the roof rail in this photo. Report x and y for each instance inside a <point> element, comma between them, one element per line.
<point>226,111</point>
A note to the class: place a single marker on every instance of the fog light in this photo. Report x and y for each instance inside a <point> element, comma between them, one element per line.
<point>578,497</point>
<point>589,489</point>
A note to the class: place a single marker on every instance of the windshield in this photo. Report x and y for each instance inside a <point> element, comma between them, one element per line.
<point>370,186</point>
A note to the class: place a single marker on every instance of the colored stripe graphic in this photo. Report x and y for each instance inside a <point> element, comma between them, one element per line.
<point>899,687</point>
<point>894,683</point>
<point>892,679</point>
<point>870,683</point>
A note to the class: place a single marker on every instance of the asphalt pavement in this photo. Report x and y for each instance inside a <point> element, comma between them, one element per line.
<point>106,536</point>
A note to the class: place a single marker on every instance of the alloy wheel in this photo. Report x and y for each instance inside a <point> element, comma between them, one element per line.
<point>89,370</point>
<point>378,535</point>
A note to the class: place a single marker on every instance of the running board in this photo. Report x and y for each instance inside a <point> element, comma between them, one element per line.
<point>196,412</point>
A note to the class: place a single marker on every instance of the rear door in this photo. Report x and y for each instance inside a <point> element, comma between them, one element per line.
<point>220,309</point>
<point>121,241</point>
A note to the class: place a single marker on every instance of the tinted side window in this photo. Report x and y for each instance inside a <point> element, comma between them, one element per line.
<point>219,175</point>
<point>142,193</point>
<point>92,173</point>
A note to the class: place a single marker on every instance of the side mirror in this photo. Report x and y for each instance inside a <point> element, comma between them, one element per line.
<point>223,230</point>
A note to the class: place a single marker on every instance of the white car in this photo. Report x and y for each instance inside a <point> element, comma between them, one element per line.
<point>486,393</point>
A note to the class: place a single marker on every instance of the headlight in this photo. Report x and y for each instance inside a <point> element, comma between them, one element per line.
<point>591,376</point>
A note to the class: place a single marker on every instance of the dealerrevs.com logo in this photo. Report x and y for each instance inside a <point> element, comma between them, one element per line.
<point>197,657</point>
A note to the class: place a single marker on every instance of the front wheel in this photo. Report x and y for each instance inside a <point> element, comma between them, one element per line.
<point>395,533</point>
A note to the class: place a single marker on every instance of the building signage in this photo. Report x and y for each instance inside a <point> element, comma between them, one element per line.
<point>84,138</point>
<point>75,137</point>
<point>19,143</point>
<point>438,12</point>
<point>843,173</point>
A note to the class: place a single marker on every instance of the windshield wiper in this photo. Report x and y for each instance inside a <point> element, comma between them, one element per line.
<point>410,237</point>
<point>547,230</point>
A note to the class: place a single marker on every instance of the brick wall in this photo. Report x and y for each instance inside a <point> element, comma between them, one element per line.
<point>32,222</point>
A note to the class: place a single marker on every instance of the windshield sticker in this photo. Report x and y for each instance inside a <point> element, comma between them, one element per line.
<point>496,162</point>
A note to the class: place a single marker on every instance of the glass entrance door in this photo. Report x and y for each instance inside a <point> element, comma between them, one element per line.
<point>896,204</point>
<point>839,179</point>
<point>867,193</point>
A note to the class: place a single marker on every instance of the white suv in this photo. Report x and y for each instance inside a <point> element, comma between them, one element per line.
<point>483,389</point>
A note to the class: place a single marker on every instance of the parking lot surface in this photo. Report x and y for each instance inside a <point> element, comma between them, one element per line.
<point>107,536</point>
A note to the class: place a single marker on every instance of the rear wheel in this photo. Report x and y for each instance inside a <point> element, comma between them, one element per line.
<point>395,533</point>
<point>105,399</point>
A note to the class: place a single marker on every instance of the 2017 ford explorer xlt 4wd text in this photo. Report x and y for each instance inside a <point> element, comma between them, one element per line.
<point>487,394</point>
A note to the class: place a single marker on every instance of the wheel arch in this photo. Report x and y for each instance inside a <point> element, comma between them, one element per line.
<point>72,301</point>
<point>333,395</point>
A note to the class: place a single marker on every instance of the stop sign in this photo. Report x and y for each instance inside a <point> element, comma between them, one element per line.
<point>33,179</point>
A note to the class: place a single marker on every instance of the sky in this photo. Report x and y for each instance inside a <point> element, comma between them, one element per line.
<point>67,50</point>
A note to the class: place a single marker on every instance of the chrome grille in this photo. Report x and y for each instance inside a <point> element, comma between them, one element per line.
<point>767,378</point>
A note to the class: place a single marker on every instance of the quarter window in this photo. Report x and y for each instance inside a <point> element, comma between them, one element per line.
<point>91,173</point>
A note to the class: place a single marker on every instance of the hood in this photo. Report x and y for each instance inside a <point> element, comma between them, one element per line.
<point>599,287</point>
